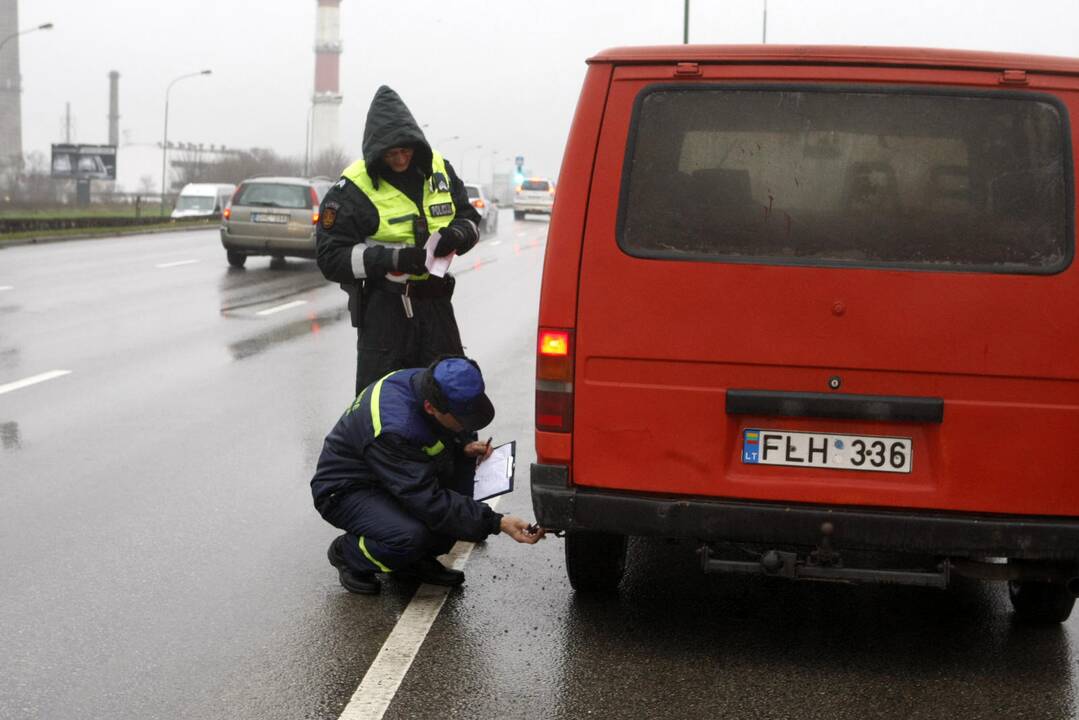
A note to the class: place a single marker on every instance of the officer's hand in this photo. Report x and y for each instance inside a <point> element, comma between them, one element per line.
<point>452,240</point>
<point>479,450</point>
<point>518,529</point>
<point>412,260</point>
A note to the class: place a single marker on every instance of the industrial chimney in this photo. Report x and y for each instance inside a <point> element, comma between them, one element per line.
<point>327,98</point>
<point>10,105</point>
<point>114,108</point>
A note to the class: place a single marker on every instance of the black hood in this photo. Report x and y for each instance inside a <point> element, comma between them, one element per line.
<point>390,124</point>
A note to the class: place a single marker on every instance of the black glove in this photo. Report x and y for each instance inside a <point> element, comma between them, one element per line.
<point>412,260</point>
<point>379,260</point>
<point>452,240</point>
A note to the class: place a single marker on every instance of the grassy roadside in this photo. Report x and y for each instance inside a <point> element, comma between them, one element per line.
<point>125,210</point>
<point>22,238</point>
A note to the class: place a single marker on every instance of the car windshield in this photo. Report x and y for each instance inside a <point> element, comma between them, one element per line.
<point>195,202</point>
<point>535,185</point>
<point>274,195</point>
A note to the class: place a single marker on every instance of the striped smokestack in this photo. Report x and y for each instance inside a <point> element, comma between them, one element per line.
<point>327,99</point>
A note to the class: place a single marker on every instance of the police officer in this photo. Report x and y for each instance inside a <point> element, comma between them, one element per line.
<point>374,223</point>
<point>394,474</point>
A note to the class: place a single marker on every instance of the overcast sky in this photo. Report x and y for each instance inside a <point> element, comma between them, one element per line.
<point>503,74</point>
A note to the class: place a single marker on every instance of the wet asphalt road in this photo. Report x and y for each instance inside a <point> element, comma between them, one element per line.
<point>159,557</point>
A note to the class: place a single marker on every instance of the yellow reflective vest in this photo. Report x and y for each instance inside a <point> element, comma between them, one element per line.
<point>396,212</point>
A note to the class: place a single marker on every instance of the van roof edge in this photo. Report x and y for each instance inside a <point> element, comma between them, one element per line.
<point>837,54</point>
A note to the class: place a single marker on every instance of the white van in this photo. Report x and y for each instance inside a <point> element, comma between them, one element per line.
<point>202,200</point>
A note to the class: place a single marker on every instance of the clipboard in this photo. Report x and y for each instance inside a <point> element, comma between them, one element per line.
<point>494,476</point>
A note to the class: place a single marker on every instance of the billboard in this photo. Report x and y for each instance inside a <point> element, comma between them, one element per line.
<point>84,162</point>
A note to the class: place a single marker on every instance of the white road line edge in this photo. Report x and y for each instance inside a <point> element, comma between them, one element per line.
<point>7,287</point>
<point>384,676</point>
<point>176,264</point>
<point>279,308</point>
<point>493,243</point>
<point>34,380</point>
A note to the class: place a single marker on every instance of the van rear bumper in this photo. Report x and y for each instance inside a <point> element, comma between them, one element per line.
<point>561,507</point>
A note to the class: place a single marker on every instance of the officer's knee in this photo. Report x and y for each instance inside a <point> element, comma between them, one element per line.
<point>410,548</point>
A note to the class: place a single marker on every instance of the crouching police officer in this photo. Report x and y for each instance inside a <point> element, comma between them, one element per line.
<point>374,224</point>
<point>396,475</point>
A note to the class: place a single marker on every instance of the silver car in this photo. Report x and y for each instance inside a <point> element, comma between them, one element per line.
<point>273,216</point>
<point>487,209</point>
<point>534,195</point>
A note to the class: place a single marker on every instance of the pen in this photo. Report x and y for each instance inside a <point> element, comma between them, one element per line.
<point>488,443</point>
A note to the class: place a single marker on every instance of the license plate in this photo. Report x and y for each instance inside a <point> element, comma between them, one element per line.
<point>830,451</point>
<point>270,218</point>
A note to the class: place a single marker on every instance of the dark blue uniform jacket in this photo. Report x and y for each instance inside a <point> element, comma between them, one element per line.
<point>386,440</point>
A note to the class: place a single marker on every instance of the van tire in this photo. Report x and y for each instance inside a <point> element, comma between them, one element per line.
<point>1041,602</point>
<point>236,259</point>
<point>595,562</point>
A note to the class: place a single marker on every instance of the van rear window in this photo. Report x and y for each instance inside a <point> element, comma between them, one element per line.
<point>906,178</point>
<point>535,185</point>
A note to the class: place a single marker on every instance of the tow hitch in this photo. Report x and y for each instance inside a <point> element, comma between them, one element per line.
<point>824,564</point>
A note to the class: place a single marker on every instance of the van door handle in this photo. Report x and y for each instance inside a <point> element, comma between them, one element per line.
<point>885,408</point>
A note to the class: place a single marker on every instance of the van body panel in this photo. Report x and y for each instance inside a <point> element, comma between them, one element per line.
<point>660,341</point>
<point>558,294</point>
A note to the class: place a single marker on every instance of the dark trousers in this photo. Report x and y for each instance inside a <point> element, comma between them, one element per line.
<point>381,535</point>
<point>389,340</point>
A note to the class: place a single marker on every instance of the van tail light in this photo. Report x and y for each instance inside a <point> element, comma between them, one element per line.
<point>314,206</point>
<point>554,380</point>
<point>227,212</point>
<point>478,204</point>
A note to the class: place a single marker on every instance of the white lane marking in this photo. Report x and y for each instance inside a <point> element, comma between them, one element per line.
<point>279,308</point>
<point>176,264</point>
<point>26,382</point>
<point>380,684</point>
<point>6,287</point>
<point>493,243</point>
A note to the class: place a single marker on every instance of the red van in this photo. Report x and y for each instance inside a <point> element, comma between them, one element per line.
<point>813,305</point>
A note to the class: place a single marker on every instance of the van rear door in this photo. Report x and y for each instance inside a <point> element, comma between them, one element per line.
<point>758,251</point>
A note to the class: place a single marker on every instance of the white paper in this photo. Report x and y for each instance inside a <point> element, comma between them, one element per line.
<point>437,266</point>
<point>494,475</point>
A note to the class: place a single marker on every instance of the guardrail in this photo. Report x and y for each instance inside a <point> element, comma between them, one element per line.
<point>20,225</point>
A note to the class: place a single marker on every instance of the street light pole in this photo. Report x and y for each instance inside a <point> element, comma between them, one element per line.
<point>685,24</point>
<point>165,138</point>
<point>307,140</point>
<point>45,26</point>
<point>764,30</point>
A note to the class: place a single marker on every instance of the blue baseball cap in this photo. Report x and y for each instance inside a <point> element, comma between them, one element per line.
<point>460,392</point>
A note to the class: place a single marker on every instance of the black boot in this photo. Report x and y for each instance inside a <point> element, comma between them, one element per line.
<point>431,571</point>
<point>355,581</point>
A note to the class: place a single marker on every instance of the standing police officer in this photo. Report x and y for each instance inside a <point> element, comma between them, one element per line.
<point>395,474</point>
<point>373,226</point>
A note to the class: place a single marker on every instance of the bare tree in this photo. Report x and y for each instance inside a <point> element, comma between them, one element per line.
<point>331,162</point>
<point>35,184</point>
